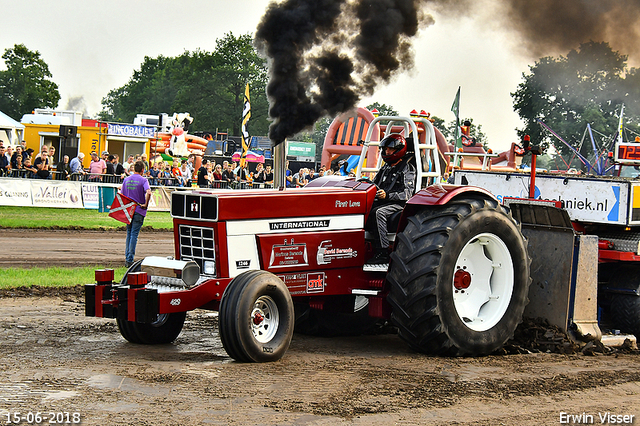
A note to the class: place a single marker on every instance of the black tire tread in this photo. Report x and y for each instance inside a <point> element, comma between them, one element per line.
<point>414,271</point>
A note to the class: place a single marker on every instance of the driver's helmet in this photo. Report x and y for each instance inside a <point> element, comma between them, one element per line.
<point>395,142</point>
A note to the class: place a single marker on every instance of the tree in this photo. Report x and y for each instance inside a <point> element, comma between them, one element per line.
<point>589,85</point>
<point>383,109</point>
<point>26,84</point>
<point>208,85</point>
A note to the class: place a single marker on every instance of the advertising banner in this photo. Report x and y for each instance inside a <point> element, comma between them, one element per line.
<point>15,192</point>
<point>160,199</point>
<point>54,193</point>
<point>90,196</point>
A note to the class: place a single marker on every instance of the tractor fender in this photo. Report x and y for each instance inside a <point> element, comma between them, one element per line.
<point>438,195</point>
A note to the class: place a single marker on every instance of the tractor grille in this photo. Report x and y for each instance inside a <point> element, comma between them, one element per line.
<point>196,243</point>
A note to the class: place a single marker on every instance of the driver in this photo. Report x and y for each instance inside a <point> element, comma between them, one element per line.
<point>396,184</point>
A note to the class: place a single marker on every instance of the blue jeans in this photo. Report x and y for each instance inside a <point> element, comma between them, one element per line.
<point>133,229</point>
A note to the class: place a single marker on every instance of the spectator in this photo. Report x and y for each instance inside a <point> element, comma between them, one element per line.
<point>227,174</point>
<point>31,171</point>
<point>268,174</point>
<point>261,174</point>
<point>190,159</point>
<point>299,179</point>
<point>76,165</point>
<point>165,173</point>
<point>288,176</point>
<point>154,173</point>
<point>186,173</point>
<point>217,177</point>
<point>5,164</point>
<point>64,169</point>
<point>42,164</point>
<point>97,167</point>
<point>27,154</point>
<point>176,173</point>
<point>137,188</point>
<point>52,156</point>
<point>9,153</point>
<point>203,177</point>
<point>128,163</point>
<point>16,158</point>
<point>16,162</point>
<point>105,156</point>
<point>43,149</point>
<point>143,158</point>
<point>111,168</point>
<point>120,170</point>
<point>243,174</point>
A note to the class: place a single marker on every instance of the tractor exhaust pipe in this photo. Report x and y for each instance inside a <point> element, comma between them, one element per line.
<point>279,164</point>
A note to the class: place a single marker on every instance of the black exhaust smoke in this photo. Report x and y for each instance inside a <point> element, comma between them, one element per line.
<point>325,55</point>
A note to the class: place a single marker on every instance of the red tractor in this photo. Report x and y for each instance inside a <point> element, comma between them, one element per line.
<point>274,259</point>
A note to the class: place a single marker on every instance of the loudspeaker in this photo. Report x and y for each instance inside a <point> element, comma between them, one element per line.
<point>68,131</point>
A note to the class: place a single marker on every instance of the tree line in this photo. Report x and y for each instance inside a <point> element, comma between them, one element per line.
<point>588,85</point>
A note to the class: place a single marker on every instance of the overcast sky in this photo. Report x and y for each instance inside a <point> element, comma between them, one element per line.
<point>94,46</point>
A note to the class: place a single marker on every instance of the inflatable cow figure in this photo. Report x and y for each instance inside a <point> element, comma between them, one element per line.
<point>178,144</point>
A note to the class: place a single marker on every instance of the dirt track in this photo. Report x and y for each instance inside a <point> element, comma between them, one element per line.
<point>56,360</point>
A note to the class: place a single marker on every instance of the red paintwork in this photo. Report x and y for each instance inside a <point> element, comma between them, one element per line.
<point>617,256</point>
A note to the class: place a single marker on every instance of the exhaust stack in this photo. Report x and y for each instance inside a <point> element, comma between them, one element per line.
<point>279,164</point>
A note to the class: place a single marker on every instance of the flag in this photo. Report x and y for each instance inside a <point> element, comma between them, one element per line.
<point>246,115</point>
<point>455,108</point>
<point>122,208</point>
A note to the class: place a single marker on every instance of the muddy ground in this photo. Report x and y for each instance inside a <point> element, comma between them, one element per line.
<point>56,360</point>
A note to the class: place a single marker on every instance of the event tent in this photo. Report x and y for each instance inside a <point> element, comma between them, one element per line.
<point>11,131</point>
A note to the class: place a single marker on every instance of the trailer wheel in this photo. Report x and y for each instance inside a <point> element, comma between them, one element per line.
<point>459,278</point>
<point>625,313</point>
<point>256,317</point>
<point>165,329</point>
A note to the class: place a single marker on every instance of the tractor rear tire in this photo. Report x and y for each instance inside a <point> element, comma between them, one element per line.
<point>164,330</point>
<point>256,317</point>
<point>459,278</point>
<point>625,313</point>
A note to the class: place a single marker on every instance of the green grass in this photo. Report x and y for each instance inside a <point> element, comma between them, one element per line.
<point>51,277</point>
<point>44,217</point>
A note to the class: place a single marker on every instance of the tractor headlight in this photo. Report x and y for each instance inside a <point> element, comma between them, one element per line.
<point>209,267</point>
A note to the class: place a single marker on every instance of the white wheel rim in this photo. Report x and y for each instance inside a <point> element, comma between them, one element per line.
<point>265,319</point>
<point>486,261</point>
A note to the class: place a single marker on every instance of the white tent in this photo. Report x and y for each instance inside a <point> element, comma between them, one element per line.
<point>11,131</point>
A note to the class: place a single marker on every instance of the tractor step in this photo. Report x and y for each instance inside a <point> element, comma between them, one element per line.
<point>375,267</point>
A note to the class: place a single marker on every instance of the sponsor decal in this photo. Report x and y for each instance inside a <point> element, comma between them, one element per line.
<point>326,253</point>
<point>175,302</point>
<point>243,264</point>
<point>315,282</point>
<point>288,255</point>
<point>348,203</point>
<point>304,283</point>
<point>299,224</point>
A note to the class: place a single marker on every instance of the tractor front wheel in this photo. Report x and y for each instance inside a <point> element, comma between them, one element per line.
<point>459,278</point>
<point>256,317</point>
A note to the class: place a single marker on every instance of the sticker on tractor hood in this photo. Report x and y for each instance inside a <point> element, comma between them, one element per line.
<point>299,224</point>
<point>326,253</point>
<point>315,283</point>
<point>243,264</point>
<point>288,255</point>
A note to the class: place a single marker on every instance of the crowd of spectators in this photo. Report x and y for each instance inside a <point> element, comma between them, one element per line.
<point>19,161</point>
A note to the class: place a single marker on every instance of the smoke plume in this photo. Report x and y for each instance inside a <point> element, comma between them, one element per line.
<point>326,55</point>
